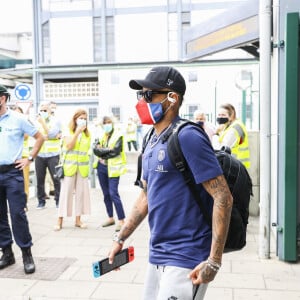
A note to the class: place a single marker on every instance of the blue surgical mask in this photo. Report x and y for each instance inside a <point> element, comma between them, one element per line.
<point>107,127</point>
<point>80,122</point>
<point>44,114</point>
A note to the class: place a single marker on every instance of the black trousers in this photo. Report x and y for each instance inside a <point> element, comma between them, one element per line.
<point>41,166</point>
<point>134,145</point>
<point>12,193</point>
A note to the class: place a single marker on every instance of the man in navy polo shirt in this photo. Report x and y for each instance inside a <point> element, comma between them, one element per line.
<point>13,126</point>
<point>185,252</point>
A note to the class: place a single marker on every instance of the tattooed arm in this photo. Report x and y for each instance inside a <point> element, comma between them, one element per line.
<point>219,190</point>
<point>137,215</point>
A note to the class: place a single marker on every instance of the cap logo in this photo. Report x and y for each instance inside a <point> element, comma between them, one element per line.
<point>170,82</point>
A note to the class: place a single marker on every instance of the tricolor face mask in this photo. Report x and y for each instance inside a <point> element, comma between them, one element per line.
<point>150,113</point>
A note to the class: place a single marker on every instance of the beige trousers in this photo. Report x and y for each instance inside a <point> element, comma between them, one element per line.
<point>74,187</point>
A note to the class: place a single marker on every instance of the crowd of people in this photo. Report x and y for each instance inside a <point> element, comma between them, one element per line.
<point>179,267</point>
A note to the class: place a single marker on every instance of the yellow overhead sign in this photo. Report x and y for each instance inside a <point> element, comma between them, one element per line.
<point>223,38</point>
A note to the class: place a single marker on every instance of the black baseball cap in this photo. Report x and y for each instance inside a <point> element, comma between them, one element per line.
<point>160,78</point>
<point>3,89</point>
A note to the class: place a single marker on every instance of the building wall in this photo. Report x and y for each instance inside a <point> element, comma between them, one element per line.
<point>208,86</point>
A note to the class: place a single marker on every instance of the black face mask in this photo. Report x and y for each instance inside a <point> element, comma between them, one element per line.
<point>222,120</point>
<point>201,123</point>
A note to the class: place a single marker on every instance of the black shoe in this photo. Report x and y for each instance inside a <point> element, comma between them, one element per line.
<point>7,257</point>
<point>41,205</point>
<point>52,193</point>
<point>29,266</point>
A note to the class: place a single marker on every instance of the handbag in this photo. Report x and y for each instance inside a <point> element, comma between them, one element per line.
<point>59,171</point>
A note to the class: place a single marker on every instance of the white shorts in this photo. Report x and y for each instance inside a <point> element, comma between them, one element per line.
<point>171,283</point>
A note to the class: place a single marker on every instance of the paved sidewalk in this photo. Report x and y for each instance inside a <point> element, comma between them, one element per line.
<point>64,261</point>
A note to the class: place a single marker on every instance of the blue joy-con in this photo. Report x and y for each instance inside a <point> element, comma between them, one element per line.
<point>96,269</point>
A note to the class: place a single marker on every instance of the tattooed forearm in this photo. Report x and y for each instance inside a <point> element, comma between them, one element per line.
<point>220,192</point>
<point>137,215</point>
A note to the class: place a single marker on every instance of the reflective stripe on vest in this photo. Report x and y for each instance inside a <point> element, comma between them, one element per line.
<point>51,146</point>
<point>115,166</point>
<point>78,157</point>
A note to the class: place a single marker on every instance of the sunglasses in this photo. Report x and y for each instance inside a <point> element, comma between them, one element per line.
<point>44,110</point>
<point>147,95</point>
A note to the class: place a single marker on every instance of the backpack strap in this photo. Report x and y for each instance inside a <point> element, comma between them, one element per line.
<point>138,181</point>
<point>146,139</point>
<point>178,160</point>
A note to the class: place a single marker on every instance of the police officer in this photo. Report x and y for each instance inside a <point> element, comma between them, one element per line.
<point>13,126</point>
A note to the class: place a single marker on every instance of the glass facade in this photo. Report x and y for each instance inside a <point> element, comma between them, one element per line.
<point>99,31</point>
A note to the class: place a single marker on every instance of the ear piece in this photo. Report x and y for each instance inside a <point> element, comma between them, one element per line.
<point>170,99</point>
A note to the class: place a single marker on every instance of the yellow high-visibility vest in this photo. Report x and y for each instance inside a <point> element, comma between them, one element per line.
<point>25,152</point>
<point>131,132</point>
<point>240,149</point>
<point>116,166</point>
<point>51,145</point>
<point>78,157</point>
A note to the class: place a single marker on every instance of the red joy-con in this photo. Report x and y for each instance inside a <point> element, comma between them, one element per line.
<point>130,253</point>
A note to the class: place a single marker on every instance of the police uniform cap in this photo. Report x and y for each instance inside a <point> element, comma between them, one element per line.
<point>3,89</point>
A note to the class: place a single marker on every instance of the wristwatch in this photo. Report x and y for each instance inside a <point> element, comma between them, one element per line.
<point>30,158</point>
<point>118,240</point>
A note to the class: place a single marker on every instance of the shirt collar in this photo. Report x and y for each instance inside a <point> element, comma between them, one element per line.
<point>7,113</point>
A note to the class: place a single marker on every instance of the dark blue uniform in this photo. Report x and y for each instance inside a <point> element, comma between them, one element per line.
<point>13,126</point>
